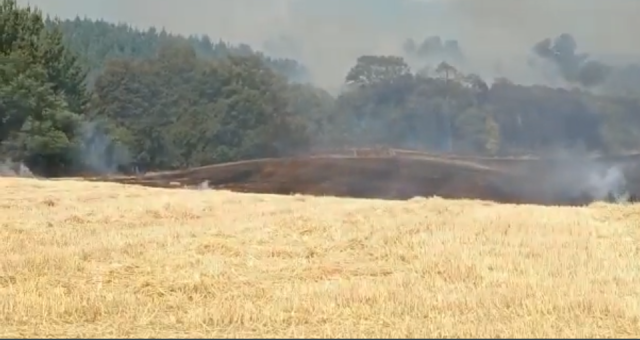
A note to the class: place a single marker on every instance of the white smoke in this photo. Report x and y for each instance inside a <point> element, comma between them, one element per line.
<point>9,168</point>
<point>610,185</point>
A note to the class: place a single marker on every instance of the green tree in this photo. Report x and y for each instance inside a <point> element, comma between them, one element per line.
<point>163,101</point>
<point>371,69</point>
<point>176,110</point>
<point>40,89</point>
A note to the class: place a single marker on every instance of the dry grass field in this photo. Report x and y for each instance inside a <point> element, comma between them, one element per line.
<point>107,260</point>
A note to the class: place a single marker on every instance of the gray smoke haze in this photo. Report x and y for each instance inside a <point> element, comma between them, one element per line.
<point>9,168</point>
<point>611,185</point>
<point>99,152</point>
<point>495,37</point>
<point>328,35</point>
<point>600,182</point>
<point>570,65</point>
<point>573,173</point>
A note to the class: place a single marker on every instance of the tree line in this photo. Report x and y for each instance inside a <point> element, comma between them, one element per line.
<point>91,96</point>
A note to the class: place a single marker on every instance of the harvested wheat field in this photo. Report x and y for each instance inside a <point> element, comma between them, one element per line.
<point>97,259</point>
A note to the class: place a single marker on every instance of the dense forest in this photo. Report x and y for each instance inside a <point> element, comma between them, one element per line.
<point>91,96</point>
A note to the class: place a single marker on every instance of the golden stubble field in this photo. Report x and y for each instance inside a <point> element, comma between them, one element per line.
<point>106,260</point>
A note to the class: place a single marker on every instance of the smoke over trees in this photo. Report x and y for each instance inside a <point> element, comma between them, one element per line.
<point>83,95</point>
<point>561,54</point>
<point>433,50</point>
<point>574,68</point>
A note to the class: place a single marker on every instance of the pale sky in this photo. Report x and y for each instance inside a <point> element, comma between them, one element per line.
<point>332,33</point>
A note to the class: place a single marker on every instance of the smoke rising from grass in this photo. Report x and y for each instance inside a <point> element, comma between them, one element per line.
<point>99,153</point>
<point>9,168</point>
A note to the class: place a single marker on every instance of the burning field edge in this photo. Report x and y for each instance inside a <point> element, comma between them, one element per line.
<point>404,174</point>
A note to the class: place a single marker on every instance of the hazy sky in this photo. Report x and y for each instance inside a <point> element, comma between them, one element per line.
<point>332,33</point>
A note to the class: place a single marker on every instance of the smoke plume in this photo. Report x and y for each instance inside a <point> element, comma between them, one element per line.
<point>99,153</point>
<point>575,68</point>
<point>10,168</point>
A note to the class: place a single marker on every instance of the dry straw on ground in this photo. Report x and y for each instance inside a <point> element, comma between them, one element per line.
<point>98,259</point>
